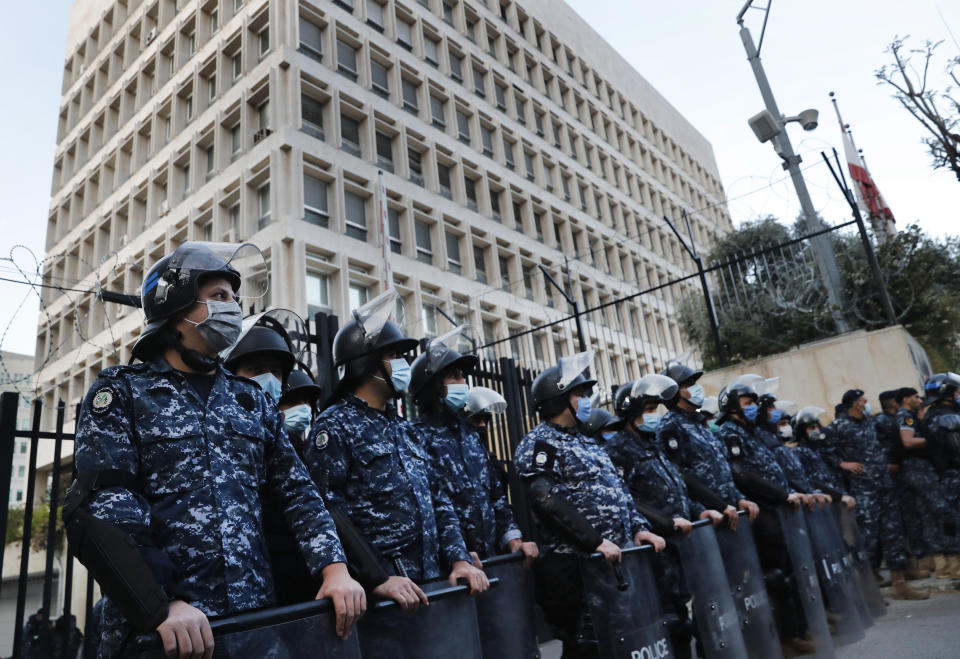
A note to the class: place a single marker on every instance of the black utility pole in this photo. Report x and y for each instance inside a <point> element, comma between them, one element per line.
<point>570,300</point>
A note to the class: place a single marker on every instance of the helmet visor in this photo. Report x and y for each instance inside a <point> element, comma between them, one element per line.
<point>788,407</point>
<point>373,316</point>
<point>286,323</point>
<point>710,405</point>
<point>438,348</point>
<point>654,384</point>
<point>770,386</point>
<point>752,380</point>
<point>245,258</point>
<point>809,414</point>
<point>571,367</point>
<point>481,400</point>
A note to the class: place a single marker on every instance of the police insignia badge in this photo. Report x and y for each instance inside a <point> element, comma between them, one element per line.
<point>540,459</point>
<point>102,400</point>
<point>735,450</point>
<point>673,444</point>
<point>909,421</point>
<point>321,441</point>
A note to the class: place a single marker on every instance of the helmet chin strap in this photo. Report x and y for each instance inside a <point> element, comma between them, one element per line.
<point>386,380</point>
<point>195,359</point>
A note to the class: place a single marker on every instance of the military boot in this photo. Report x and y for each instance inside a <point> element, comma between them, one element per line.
<point>914,571</point>
<point>926,563</point>
<point>941,568</point>
<point>953,565</point>
<point>901,591</point>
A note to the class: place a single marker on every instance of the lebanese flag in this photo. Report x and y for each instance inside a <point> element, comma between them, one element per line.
<point>868,196</point>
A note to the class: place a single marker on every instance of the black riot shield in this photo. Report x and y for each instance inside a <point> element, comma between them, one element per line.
<point>836,581</point>
<point>747,587</point>
<point>852,576</point>
<point>850,532</point>
<point>713,607</point>
<point>624,606</point>
<point>444,629</point>
<point>505,613</point>
<point>288,632</point>
<point>795,536</point>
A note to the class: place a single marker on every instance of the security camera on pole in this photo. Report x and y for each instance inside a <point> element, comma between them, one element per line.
<point>770,125</point>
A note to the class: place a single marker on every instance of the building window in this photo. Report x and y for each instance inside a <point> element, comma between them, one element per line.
<point>350,135</point>
<point>456,67</point>
<point>443,177</point>
<point>375,14</point>
<point>521,110</point>
<point>384,152</point>
<point>315,209</point>
<point>318,293</point>
<point>263,115</point>
<point>501,93</point>
<point>495,204</point>
<point>527,272</point>
<point>453,253</point>
<point>463,127</point>
<point>486,138</point>
<point>311,40</point>
<point>263,205</point>
<point>234,214</point>
<point>429,317</point>
<point>263,42</point>
<point>415,163</point>
<point>508,154</point>
<point>478,84</point>
<point>504,272</point>
<point>404,33</point>
<point>21,471</point>
<point>212,86</point>
<point>470,186</point>
<point>311,111</point>
<point>211,161</point>
<point>380,79</point>
<point>359,295</point>
<point>410,102</point>
<point>356,215</point>
<point>237,62</point>
<point>188,103</point>
<point>528,163</point>
<point>437,112</point>
<point>346,60</point>
<point>447,7</point>
<point>424,241</point>
<point>430,50</point>
<point>393,219</point>
<point>480,263</point>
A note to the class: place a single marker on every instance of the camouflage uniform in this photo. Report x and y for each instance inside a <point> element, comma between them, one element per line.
<point>584,474</point>
<point>942,491</point>
<point>746,447</point>
<point>200,466</point>
<point>698,452</point>
<point>878,514</point>
<point>912,510</point>
<point>373,465</point>
<point>817,471</point>
<point>787,459</point>
<point>471,481</point>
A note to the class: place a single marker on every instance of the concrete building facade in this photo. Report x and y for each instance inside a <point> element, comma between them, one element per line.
<point>16,375</point>
<point>510,136</point>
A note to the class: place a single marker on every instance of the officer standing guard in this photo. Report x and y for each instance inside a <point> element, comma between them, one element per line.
<point>807,433</point>
<point>579,501</point>
<point>171,454</point>
<point>864,459</point>
<point>699,453</point>
<point>439,387</point>
<point>370,463</point>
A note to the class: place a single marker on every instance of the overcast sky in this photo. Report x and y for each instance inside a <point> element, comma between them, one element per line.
<point>689,51</point>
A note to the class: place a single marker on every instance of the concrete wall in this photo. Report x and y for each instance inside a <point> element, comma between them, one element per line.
<point>818,373</point>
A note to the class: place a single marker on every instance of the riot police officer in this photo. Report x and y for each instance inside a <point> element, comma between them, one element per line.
<point>864,461</point>
<point>171,454</point>
<point>806,431</point>
<point>658,489</point>
<point>941,425</point>
<point>298,402</point>
<point>699,453</point>
<point>370,464</point>
<point>578,499</point>
<point>439,387</point>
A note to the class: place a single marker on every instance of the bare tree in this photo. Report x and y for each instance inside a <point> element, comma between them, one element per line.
<point>938,112</point>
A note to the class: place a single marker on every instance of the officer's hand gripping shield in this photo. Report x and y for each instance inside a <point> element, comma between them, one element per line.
<point>835,579</point>
<point>446,629</point>
<point>747,587</point>
<point>505,613</point>
<point>289,632</point>
<point>797,540</point>
<point>857,552</point>
<point>714,610</point>
<point>624,605</point>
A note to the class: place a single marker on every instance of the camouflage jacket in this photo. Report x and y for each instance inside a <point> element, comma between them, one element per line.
<point>747,448</point>
<point>471,482</point>
<point>581,471</point>
<point>698,452</point>
<point>373,465</point>
<point>818,472</point>
<point>857,442</point>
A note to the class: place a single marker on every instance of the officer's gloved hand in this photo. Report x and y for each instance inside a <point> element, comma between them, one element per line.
<point>848,501</point>
<point>476,579</point>
<point>403,591</point>
<point>654,539</point>
<point>716,518</point>
<point>186,632</point>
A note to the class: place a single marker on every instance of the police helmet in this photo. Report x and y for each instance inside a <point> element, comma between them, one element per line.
<point>941,386</point>
<point>482,401</point>
<point>805,418</point>
<point>300,384</point>
<point>600,421</point>
<point>550,389</point>
<point>710,407</point>
<point>633,396</point>
<point>359,345</point>
<point>681,374</point>
<point>729,398</point>
<point>440,357</point>
<point>172,286</point>
<point>261,342</point>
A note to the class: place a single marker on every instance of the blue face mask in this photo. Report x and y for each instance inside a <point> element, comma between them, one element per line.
<point>712,426</point>
<point>584,408</point>
<point>750,412</point>
<point>775,415</point>
<point>866,410</point>
<point>456,396</point>
<point>607,436</point>
<point>270,384</point>
<point>399,374</point>
<point>297,418</point>
<point>651,421</point>
<point>697,394</point>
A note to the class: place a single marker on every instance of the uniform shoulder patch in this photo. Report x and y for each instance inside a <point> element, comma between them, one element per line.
<point>102,400</point>
<point>544,455</point>
<point>322,440</point>
<point>909,421</point>
<point>735,450</point>
<point>673,444</point>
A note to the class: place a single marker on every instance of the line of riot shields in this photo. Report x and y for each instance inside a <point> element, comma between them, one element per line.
<point>732,611</point>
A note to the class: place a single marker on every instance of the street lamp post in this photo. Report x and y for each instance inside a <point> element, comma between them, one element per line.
<point>820,245</point>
